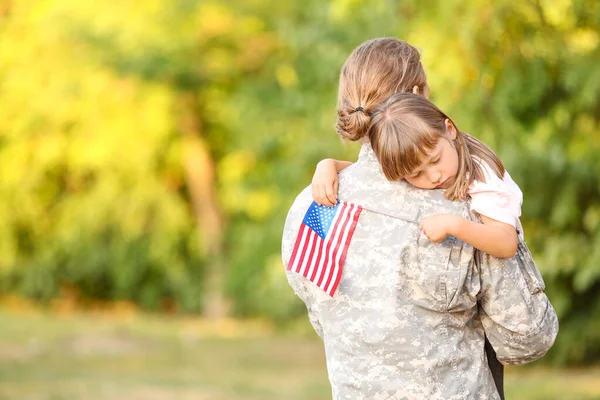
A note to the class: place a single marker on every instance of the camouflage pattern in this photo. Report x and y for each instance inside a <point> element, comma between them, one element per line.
<point>405,321</point>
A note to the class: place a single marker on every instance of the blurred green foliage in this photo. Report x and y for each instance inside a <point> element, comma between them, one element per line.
<point>149,151</point>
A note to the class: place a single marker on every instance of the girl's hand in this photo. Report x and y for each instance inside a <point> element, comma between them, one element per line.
<point>438,227</point>
<point>325,183</point>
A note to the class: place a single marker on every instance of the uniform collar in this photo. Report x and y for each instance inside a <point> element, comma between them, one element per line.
<point>367,154</point>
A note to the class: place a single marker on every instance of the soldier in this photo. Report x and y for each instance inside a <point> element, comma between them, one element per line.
<point>406,318</point>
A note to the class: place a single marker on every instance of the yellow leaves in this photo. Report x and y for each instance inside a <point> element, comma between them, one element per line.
<point>235,197</point>
<point>56,106</point>
<point>583,41</point>
<point>233,171</point>
<point>274,269</point>
<point>286,76</point>
<point>557,12</point>
<point>487,81</point>
<point>256,43</point>
<point>560,14</point>
<point>234,166</point>
<point>130,21</point>
<point>340,10</point>
<point>215,100</point>
<point>251,43</point>
<point>260,203</point>
<point>215,20</point>
<point>49,149</point>
<point>257,49</point>
<point>117,122</point>
<point>256,204</point>
<point>445,61</point>
<point>527,49</point>
<point>219,62</point>
<point>250,25</point>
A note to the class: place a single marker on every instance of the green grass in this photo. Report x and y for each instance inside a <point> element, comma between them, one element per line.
<point>94,357</point>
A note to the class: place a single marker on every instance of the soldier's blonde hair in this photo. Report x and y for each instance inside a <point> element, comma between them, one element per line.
<point>374,71</point>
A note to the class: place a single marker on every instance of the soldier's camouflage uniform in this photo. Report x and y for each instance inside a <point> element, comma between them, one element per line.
<point>408,318</point>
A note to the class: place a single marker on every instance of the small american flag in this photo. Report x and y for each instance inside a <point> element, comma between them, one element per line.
<point>322,243</point>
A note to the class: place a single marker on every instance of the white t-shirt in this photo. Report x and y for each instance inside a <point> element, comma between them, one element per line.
<point>496,198</point>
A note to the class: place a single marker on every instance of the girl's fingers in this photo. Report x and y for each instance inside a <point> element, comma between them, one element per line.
<point>335,190</point>
<point>325,195</point>
<point>330,196</point>
<point>320,195</point>
<point>327,201</point>
<point>314,191</point>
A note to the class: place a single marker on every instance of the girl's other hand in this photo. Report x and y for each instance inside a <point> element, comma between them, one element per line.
<point>438,227</point>
<point>325,183</point>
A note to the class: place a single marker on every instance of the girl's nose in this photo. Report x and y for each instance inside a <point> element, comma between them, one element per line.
<point>435,177</point>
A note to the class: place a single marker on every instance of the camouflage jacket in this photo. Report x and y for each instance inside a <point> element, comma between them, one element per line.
<point>408,318</point>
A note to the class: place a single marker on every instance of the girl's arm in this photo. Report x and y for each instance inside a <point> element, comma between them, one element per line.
<point>325,181</point>
<point>493,237</point>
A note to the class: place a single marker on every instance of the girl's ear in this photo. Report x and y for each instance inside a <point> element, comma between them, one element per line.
<point>415,90</point>
<point>450,128</point>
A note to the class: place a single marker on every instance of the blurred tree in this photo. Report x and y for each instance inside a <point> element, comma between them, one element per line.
<point>90,191</point>
<point>198,53</point>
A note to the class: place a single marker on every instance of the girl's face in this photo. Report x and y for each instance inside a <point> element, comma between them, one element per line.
<point>439,167</point>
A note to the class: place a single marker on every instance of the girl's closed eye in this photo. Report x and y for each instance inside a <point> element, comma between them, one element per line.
<point>437,160</point>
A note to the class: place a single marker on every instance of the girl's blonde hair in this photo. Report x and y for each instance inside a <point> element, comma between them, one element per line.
<point>406,127</point>
<point>374,71</point>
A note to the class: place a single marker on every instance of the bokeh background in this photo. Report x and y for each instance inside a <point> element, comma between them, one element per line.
<point>150,150</point>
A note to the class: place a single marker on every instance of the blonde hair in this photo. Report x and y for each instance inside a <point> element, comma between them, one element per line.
<point>374,71</point>
<point>405,127</point>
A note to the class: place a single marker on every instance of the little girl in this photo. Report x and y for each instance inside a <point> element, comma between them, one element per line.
<point>414,140</point>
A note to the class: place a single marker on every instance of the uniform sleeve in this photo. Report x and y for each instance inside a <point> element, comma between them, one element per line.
<point>517,316</point>
<point>496,198</point>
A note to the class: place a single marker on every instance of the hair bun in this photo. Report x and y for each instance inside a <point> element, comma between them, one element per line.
<point>352,124</point>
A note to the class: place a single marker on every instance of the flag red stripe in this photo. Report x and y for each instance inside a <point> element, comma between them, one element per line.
<point>326,267</point>
<point>345,250</point>
<point>317,262</point>
<point>313,256</point>
<point>331,245</point>
<point>322,261</point>
<point>296,246</point>
<point>338,241</point>
<point>310,254</point>
<point>341,246</point>
<point>308,235</point>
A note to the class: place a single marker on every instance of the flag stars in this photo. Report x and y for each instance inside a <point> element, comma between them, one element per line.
<point>319,218</point>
